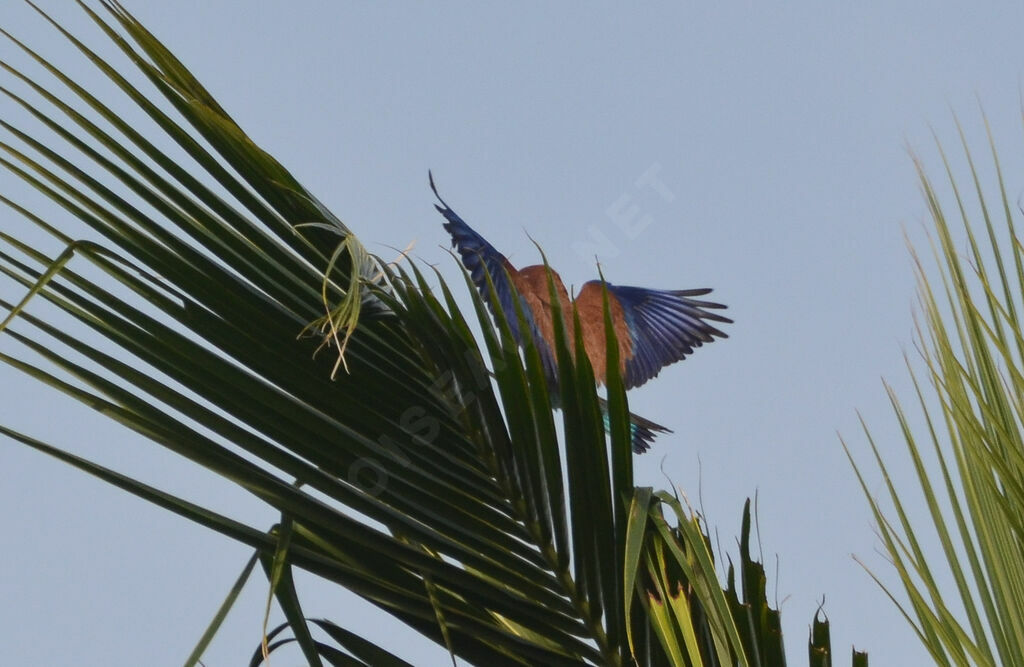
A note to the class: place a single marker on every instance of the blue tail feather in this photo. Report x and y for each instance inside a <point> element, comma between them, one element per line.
<point>642,432</point>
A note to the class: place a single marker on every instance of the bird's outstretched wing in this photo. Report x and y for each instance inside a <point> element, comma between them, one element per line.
<point>655,328</point>
<point>480,258</point>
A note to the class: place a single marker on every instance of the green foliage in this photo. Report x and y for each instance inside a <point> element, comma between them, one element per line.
<point>413,480</point>
<point>969,453</point>
<point>694,620</point>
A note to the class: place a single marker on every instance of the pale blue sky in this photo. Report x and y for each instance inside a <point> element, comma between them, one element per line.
<point>781,134</point>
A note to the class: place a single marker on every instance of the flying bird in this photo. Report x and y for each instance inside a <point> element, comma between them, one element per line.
<point>654,328</point>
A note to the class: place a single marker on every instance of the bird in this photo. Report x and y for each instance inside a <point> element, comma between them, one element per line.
<point>654,327</point>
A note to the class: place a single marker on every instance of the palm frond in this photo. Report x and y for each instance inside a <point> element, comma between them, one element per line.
<point>413,479</point>
<point>968,455</point>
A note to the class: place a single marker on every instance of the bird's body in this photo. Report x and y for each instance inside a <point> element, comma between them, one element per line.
<point>654,328</point>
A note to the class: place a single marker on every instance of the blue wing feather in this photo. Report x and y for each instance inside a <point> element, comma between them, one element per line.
<point>665,326</point>
<point>482,259</point>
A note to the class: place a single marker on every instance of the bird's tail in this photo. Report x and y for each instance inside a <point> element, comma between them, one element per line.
<point>642,431</point>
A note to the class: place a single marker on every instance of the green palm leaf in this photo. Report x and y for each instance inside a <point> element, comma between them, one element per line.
<point>413,479</point>
<point>968,456</point>
<point>386,441</point>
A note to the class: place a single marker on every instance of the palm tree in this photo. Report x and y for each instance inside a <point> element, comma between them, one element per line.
<point>967,453</point>
<point>434,492</point>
